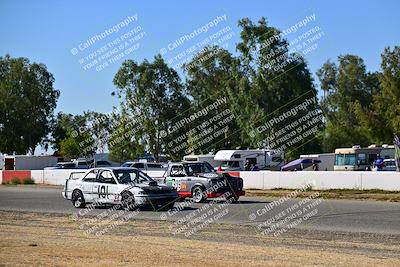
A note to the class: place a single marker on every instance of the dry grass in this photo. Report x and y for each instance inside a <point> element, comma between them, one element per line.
<point>28,239</point>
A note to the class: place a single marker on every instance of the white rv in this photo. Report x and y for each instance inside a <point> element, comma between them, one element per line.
<point>235,160</point>
<point>359,158</point>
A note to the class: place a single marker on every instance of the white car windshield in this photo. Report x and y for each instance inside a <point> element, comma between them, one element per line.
<point>131,176</point>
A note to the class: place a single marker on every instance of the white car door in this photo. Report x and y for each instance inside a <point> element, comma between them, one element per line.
<point>106,188</point>
<point>86,185</point>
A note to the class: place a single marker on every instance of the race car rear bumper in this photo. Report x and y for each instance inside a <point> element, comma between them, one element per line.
<point>212,194</point>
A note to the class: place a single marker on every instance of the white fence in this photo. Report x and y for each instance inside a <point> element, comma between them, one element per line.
<point>322,180</point>
<point>54,177</point>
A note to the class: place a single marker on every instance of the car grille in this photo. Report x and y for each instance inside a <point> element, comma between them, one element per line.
<point>157,190</point>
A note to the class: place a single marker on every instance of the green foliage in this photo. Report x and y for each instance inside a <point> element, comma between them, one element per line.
<point>153,95</point>
<point>386,102</point>
<point>27,102</point>
<point>81,135</point>
<point>28,181</point>
<point>348,89</point>
<point>253,86</point>
<point>15,181</point>
<point>124,140</point>
<point>77,145</point>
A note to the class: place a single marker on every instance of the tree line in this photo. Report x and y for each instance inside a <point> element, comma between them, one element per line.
<point>359,107</point>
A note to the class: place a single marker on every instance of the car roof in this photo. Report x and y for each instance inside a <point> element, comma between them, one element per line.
<point>112,168</point>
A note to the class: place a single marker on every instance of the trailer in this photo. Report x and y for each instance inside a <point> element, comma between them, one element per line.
<point>1,162</point>
<point>25,162</point>
<point>327,160</point>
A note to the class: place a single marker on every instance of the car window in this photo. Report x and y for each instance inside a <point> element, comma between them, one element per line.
<point>154,166</point>
<point>66,165</point>
<point>195,168</point>
<point>131,176</point>
<point>90,177</point>
<point>106,177</point>
<point>126,164</point>
<point>177,171</point>
<point>138,165</point>
<point>103,162</point>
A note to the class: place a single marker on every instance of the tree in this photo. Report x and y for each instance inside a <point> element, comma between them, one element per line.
<point>381,119</point>
<point>213,74</point>
<point>75,146</point>
<point>99,126</point>
<point>255,88</point>
<point>153,94</point>
<point>80,135</point>
<point>27,103</point>
<point>125,140</point>
<point>387,100</point>
<point>63,126</point>
<point>348,88</point>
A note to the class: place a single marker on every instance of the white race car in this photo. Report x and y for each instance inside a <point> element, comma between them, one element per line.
<point>128,187</point>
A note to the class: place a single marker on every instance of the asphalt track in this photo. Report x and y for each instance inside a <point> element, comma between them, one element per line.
<point>316,214</point>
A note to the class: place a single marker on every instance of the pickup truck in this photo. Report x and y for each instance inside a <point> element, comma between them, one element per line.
<point>199,181</point>
<point>152,169</point>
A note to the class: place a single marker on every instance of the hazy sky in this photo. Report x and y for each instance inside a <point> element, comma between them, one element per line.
<point>51,32</point>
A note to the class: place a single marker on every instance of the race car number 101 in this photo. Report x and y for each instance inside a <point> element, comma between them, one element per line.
<point>103,191</point>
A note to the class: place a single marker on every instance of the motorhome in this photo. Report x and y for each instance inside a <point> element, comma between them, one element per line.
<point>358,158</point>
<point>264,159</point>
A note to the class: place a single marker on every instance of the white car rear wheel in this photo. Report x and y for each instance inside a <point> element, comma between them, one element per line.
<point>78,200</point>
<point>198,195</point>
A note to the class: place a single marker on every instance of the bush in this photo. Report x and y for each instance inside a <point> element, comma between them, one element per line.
<point>308,188</point>
<point>15,180</point>
<point>28,181</point>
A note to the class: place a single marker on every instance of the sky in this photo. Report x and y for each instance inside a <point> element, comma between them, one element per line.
<point>59,34</point>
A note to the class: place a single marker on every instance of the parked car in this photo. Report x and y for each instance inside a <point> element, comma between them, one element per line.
<point>199,181</point>
<point>128,187</point>
<point>152,169</point>
<point>62,165</point>
<point>100,163</point>
<point>76,164</point>
<point>388,165</point>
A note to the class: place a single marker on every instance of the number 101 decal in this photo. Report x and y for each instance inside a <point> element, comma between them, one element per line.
<point>103,191</point>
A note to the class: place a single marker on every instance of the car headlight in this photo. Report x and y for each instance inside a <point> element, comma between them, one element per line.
<point>141,193</point>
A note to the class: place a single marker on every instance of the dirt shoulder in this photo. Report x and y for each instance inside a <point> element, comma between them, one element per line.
<point>30,239</point>
<point>351,194</point>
